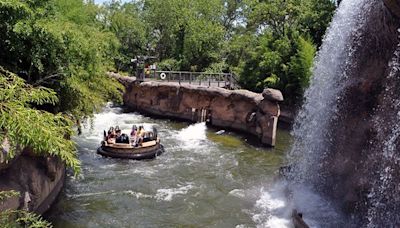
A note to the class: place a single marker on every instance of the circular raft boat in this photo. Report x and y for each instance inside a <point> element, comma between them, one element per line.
<point>148,150</point>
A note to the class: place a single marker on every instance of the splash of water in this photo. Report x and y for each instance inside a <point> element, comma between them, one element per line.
<point>193,136</point>
<point>337,72</point>
<point>276,203</point>
<point>330,76</point>
<point>384,197</point>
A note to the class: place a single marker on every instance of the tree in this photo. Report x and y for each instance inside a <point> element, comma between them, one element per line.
<point>282,57</point>
<point>60,50</point>
<point>126,23</point>
<point>316,16</point>
<point>24,126</point>
<point>188,31</point>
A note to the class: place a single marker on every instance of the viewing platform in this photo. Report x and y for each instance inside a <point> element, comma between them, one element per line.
<point>221,80</point>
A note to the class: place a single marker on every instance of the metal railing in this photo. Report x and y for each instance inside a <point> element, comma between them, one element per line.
<point>223,80</point>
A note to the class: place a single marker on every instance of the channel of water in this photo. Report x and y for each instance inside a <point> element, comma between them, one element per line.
<point>203,180</point>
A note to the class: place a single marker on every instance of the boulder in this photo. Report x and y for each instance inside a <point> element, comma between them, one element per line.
<point>272,95</point>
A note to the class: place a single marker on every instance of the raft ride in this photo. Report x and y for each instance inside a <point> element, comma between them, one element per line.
<point>147,147</point>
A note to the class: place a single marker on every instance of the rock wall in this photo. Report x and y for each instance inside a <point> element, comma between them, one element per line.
<point>241,110</point>
<point>354,159</point>
<point>353,133</point>
<point>37,179</point>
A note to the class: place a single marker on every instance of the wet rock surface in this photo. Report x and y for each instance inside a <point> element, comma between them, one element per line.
<point>354,158</point>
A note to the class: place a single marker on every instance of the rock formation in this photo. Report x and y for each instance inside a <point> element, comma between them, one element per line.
<point>345,135</point>
<point>37,179</point>
<point>235,109</point>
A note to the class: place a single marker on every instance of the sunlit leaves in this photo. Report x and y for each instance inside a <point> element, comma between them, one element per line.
<point>45,133</point>
<point>60,45</point>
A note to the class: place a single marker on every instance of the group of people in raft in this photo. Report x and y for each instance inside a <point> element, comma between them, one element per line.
<point>136,137</point>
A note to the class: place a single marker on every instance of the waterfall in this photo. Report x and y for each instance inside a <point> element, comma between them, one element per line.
<point>330,75</point>
<point>384,197</point>
<point>347,134</point>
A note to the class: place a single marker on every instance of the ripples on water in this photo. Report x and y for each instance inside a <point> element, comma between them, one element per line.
<point>203,180</point>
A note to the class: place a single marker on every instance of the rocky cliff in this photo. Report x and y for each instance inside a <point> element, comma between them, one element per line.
<point>241,110</point>
<point>37,179</point>
<point>347,133</point>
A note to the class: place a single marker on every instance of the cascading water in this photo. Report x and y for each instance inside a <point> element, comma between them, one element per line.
<point>330,76</point>
<point>347,135</point>
<point>384,197</point>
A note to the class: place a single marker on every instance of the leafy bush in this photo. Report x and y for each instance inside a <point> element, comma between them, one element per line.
<point>19,218</point>
<point>25,126</point>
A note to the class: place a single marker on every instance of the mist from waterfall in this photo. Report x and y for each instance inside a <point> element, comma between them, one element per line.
<point>384,197</point>
<point>357,58</point>
<point>330,76</point>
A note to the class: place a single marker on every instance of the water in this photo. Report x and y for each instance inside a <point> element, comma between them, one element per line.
<point>347,134</point>
<point>203,180</point>
<point>384,197</point>
<point>333,65</point>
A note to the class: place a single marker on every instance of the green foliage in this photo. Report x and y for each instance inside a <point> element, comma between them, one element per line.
<point>21,218</point>
<point>216,68</point>
<point>7,194</point>
<point>24,126</point>
<point>284,64</point>
<point>124,21</point>
<point>169,65</point>
<point>301,64</point>
<point>60,44</point>
<point>188,31</point>
<point>316,16</point>
<point>281,57</point>
<point>256,39</point>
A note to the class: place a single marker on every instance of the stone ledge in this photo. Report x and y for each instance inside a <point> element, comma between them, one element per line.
<point>240,110</point>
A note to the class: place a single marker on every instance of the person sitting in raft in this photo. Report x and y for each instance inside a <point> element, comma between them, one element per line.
<point>111,135</point>
<point>118,132</point>
<point>121,138</point>
<point>133,136</point>
<point>140,135</point>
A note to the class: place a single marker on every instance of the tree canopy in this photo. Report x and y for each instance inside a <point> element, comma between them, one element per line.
<point>62,49</point>
<point>263,42</point>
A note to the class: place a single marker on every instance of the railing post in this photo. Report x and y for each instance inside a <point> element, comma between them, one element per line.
<point>225,79</point>
<point>209,80</point>
<point>230,81</point>
<point>190,78</point>
<point>179,79</point>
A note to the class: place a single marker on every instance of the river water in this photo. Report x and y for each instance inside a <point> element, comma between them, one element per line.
<point>203,179</point>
